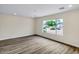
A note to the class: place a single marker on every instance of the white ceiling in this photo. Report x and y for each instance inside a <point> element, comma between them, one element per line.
<point>34,10</point>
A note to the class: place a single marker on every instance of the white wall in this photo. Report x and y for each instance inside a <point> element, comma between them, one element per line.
<point>15,26</point>
<point>71,27</point>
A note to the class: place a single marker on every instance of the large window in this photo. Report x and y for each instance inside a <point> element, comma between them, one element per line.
<point>53,26</point>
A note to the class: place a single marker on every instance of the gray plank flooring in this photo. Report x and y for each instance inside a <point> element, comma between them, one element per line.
<point>35,45</point>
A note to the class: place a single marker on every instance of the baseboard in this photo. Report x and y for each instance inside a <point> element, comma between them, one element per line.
<point>56,41</point>
<point>19,37</point>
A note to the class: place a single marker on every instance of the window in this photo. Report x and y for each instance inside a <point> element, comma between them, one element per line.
<point>53,26</point>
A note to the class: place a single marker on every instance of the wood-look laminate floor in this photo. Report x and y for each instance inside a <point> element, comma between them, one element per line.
<point>35,45</point>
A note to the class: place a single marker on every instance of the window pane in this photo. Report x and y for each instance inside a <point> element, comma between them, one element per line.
<point>49,26</point>
<point>59,27</point>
